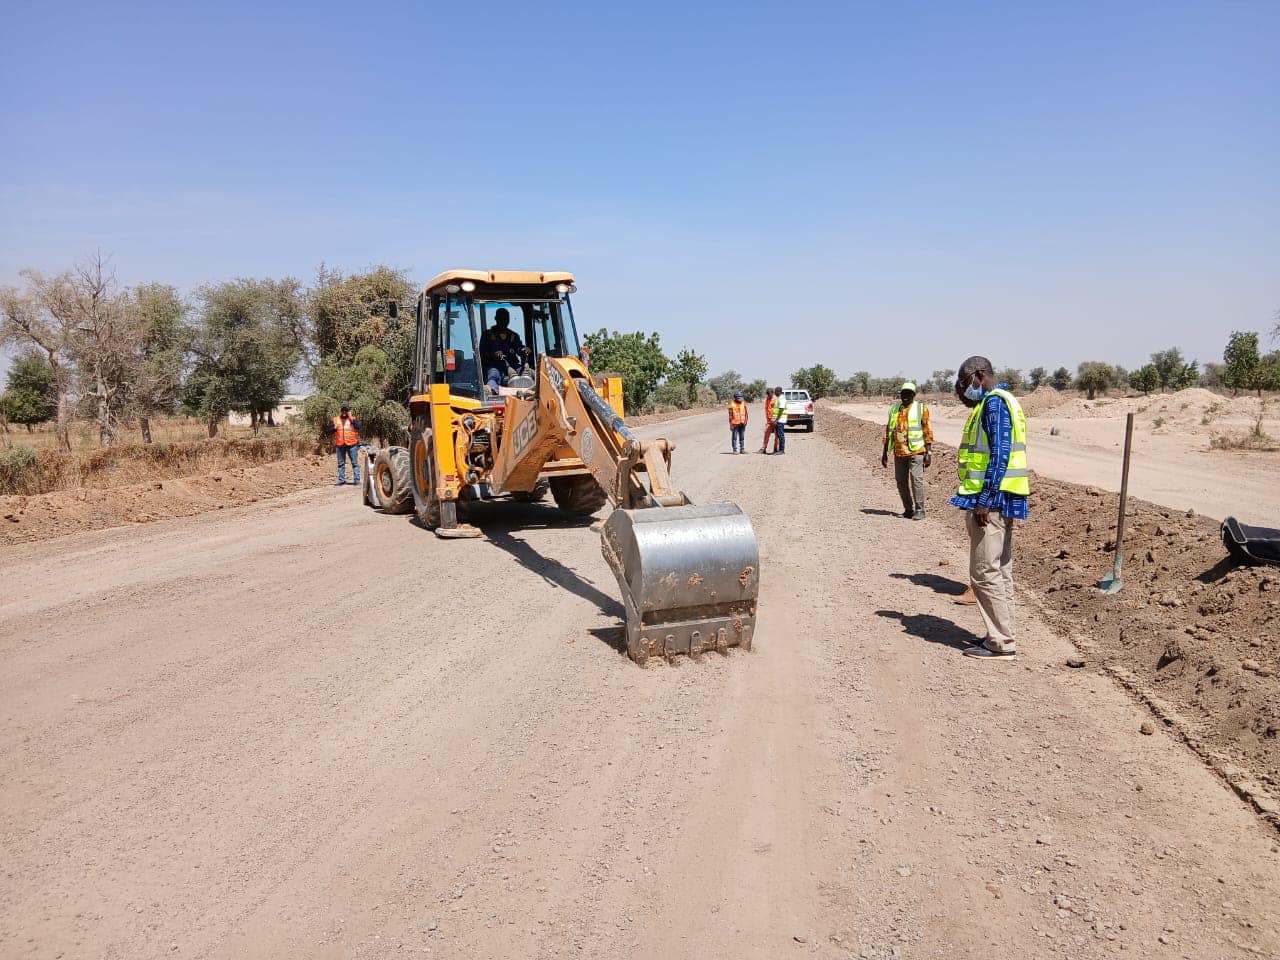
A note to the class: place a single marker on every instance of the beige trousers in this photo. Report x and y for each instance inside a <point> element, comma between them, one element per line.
<point>909,472</point>
<point>991,573</point>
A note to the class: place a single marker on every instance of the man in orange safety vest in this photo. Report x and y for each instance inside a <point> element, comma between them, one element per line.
<point>345,430</point>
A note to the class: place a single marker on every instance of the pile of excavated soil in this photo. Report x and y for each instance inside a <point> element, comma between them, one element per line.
<point>1041,400</point>
<point>1194,635</point>
<point>25,518</point>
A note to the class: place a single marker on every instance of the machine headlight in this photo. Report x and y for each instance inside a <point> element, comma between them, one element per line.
<point>452,288</point>
<point>468,286</point>
<point>566,288</point>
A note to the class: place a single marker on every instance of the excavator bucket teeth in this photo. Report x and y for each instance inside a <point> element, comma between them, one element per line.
<point>690,577</point>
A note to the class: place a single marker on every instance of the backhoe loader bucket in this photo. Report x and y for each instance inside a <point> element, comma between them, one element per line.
<point>689,577</point>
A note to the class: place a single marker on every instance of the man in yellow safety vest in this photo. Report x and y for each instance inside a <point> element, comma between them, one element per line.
<point>993,486</point>
<point>909,431</point>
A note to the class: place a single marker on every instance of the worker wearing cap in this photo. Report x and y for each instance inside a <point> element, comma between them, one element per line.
<point>345,430</point>
<point>909,431</point>
<point>738,424</point>
<point>780,420</point>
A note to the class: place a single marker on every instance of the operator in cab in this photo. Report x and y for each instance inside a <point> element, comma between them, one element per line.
<point>500,349</point>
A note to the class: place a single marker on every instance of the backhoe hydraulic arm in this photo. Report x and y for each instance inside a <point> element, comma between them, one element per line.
<point>689,575</point>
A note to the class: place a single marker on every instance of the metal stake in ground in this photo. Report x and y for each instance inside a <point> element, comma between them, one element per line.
<point>1112,583</point>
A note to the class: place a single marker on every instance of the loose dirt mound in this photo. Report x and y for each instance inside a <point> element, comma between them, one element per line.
<point>70,511</point>
<point>1191,633</point>
<point>1041,400</point>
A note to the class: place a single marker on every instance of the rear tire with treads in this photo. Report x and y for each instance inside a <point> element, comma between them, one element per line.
<point>393,480</point>
<point>578,496</point>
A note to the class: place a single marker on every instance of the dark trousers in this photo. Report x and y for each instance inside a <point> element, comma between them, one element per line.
<point>738,437</point>
<point>780,431</point>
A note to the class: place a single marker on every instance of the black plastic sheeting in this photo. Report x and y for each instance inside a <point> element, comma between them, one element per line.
<point>1251,544</point>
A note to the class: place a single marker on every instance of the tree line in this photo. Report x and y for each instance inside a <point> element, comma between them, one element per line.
<point>121,356</point>
<point>1243,367</point>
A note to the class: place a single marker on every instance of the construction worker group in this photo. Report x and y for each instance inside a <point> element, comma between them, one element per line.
<point>993,482</point>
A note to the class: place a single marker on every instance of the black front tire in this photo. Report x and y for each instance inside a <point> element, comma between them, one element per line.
<point>808,427</point>
<point>578,496</point>
<point>393,479</point>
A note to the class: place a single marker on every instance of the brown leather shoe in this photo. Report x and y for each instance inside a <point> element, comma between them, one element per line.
<point>967,598</point>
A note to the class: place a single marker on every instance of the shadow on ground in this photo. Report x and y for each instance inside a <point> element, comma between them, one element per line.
<point>881,513</point>
<point>931,629</point>
<point>943,585</point>
<point>502,523</point>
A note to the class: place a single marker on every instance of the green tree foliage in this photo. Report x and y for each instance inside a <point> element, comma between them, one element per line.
<point>689,368</point>
<point>31,395</point>
<point>163,338</point>
<point>942,381</point>
<point>636,357</point>
<point>1175,372</point>
<point>244,350</point>
<point>672,393</point>
<point>350,312</point>
<point>1012,378</point>
<point>754,390</point>
<point>1211,375</point>
<point>1093,376</point>
<point>1146,378</point>
<point>1037,376</point>
<point>367,383</point>
<point>726,385</point>
<point>1268,373</point>
<point>1061,379</point>
<point>819,380</point>
<point>1240,362</point>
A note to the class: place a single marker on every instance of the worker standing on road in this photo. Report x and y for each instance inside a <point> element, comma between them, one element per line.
<point>738,424</point>
<point>345,430</point>
<point>770,428</point>
<point>780,419</point>
<point>912,437</point>
<point>993,490</point>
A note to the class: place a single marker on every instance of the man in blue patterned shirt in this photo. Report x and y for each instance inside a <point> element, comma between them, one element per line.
<point>993,488</point>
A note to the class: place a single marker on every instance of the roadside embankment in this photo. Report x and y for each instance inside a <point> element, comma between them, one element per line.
<point>1191,634</point>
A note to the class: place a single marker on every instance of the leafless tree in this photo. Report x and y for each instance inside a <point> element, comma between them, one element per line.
<point>32,318</point>
<point>104,341</point>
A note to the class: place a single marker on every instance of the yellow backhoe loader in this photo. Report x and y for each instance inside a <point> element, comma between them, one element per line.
<point>503,406</point>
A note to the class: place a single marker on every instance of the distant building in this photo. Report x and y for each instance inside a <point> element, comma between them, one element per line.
<point>289,406</point>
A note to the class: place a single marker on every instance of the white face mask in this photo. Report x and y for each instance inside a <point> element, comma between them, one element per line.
<point>973,393</point>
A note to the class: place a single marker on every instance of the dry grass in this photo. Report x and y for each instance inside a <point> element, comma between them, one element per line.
<point>84,434</point>
<point>49,470</point>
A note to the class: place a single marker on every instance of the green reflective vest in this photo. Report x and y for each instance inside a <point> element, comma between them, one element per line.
<point>975,450</point>
<point>915,425</point>
<point>780,409</point>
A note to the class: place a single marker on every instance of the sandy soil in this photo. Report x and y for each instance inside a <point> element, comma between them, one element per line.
<point>302,729</point>
<point>1172,463</point>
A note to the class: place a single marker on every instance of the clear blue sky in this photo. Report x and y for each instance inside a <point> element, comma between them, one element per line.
<point>885,186</point>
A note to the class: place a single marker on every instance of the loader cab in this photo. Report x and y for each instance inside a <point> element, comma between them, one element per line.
<point>457,308</point>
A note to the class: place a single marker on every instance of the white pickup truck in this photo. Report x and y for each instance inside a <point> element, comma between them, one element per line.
<point>799,409</point>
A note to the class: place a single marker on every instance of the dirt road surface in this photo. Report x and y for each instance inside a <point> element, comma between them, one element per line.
<point>1171,465</point>
<point>302,729</point>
